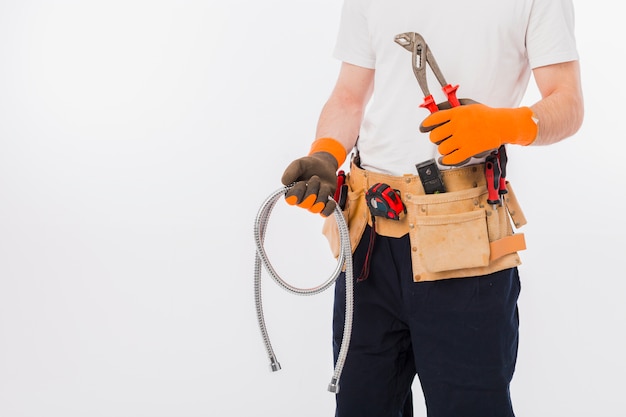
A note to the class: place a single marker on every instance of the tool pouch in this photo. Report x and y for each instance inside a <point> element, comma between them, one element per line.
<point>356,215</point>
<point>458,234</point>
<point>453,234</point>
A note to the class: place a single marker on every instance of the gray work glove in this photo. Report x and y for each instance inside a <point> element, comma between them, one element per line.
<point>314,180</point>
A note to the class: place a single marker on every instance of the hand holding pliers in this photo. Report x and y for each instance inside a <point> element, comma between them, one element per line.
<point>495,164</point>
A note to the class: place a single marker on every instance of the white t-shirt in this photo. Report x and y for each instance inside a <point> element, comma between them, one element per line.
<point>487,47</point>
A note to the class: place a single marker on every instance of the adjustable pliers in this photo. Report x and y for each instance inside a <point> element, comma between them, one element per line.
<point>415,43</point>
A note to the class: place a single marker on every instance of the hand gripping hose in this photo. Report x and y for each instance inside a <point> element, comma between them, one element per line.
<point>345,258</point>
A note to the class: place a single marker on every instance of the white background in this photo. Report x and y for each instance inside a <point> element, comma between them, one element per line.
<point>139,138</point>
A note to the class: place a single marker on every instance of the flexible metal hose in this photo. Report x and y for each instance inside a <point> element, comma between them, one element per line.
<point>345,259</point>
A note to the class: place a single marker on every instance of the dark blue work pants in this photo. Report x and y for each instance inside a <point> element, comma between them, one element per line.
<point>459,336</point>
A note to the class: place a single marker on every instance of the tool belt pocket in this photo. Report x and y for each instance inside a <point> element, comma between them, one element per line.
<point>355,212</point>
<point>452,241</point>
<point>458,234</point>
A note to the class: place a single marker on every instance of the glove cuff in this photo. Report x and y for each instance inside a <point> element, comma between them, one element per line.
<point>331,146</point>
<point>527,126</point>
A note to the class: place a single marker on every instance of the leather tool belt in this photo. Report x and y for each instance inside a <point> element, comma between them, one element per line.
<point>454,234</point>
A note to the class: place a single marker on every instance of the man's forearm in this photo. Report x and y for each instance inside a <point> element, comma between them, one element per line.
<point>560,111</point>
<point>343,112</point>
<point>340,119</point>
<point>560,116</point>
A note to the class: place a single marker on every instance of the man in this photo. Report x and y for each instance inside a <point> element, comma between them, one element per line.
<point>436,295</point>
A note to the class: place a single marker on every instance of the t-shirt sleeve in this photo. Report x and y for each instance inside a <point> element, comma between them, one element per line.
<point>353,40</point>
<point>551,36</point>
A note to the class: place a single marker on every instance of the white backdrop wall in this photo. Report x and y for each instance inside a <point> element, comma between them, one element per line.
<point>139,138</point>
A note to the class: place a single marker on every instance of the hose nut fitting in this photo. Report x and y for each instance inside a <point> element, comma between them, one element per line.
<point>334,385</point>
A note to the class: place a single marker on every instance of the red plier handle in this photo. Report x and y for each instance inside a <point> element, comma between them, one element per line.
<point>415,43</point>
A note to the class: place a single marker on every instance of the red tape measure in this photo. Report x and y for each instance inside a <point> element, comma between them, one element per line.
<point>384,201</point>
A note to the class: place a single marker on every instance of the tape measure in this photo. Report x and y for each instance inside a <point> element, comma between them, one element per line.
<point>384,201</point>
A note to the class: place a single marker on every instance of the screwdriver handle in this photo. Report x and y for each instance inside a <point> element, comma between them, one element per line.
<point>492,174</point>
<point>341,179</point>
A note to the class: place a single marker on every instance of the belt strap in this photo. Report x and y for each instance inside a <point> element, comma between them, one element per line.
<point>506,245</point>
<point>455,179</point>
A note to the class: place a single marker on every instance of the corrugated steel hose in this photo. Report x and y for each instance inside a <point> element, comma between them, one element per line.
<point>344,259</point>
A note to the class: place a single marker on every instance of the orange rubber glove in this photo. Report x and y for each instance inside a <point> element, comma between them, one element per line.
<point>468,130</point>
<point>315,177</point>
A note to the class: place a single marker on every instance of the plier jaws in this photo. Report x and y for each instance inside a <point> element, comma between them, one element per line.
<point>422,56</point>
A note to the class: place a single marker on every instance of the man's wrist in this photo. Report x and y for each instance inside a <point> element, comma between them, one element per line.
<point>527,125</point>
<point>331,146</point>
